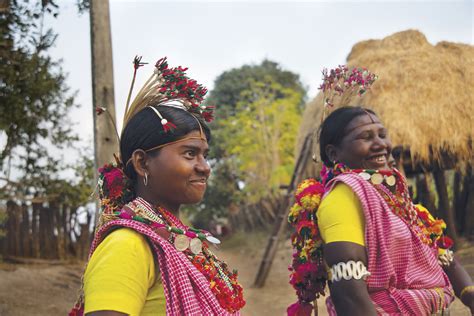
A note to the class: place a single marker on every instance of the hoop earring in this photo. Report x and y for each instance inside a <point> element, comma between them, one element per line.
<point>145,179</point>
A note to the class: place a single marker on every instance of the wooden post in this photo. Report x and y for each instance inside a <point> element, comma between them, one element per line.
<point>444,205</point>
<point>105,138</point>
<point>25,231</point>
<point>469,206</point>
<point>13,228</point>
<point>281,221</point>
<point>35,230</point>
<point>425,196</point>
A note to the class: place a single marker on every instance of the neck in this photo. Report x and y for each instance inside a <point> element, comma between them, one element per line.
<point>170,207</point>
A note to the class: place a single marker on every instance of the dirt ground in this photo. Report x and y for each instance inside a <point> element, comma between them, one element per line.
<point>50,288</point>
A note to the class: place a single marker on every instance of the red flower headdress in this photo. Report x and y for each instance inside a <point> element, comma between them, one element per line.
<point>168,87</point>
<point>342,83</point>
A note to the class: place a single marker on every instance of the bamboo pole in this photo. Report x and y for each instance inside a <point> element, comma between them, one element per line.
<point>281,221</point>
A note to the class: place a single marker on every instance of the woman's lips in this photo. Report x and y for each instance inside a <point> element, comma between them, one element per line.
<point>202,183</point>
<point>379,160</point>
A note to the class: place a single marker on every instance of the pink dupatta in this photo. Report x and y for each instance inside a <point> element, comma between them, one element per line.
<point>406,277</point>
<point>187,291</point>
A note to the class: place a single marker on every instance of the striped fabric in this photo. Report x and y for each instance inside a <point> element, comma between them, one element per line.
<point>406,278</point>
<point>187,291</point>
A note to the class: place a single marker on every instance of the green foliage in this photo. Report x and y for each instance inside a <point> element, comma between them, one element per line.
<point>75,192</point>
<point>229,85</point>
<point>258,110</point>
<point>261,135</point>
<point>34,106</point>
<point>34,98</point>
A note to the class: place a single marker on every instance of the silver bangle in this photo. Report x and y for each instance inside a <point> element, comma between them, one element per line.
<point>446,258</point>
<point>349,270</point>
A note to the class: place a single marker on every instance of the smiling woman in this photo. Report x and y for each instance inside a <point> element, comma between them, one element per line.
<point>386,255</point>
<point>144,260</point>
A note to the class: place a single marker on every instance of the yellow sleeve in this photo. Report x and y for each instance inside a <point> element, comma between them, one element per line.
<point>340,216</point>
<point>119,273</point>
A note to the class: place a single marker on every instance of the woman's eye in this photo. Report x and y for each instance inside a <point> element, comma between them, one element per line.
<point>190,154</point>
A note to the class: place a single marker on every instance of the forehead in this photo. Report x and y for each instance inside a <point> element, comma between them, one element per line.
<point>362,122</point>
<point>192,139</point>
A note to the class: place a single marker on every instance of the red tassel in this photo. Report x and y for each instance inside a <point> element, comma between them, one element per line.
<point>78,310</point>
<point>167,125</point>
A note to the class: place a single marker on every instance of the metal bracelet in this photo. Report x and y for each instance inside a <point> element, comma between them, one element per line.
<point>349,270</point>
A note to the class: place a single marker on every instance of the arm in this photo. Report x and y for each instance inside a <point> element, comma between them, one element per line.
<point>119,275</point>
<point>350,297</point>
<point>460,279</point>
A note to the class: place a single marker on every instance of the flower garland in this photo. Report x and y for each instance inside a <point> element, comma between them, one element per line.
<point>308,271</point>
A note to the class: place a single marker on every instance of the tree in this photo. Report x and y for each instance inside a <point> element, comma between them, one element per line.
<point>261,137</point>
<point>105,139</point>
<point>34,98</point>
<point>258,109</point>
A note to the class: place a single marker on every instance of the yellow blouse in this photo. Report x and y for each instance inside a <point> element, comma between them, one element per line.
<point>121,276</point>
<point>340,216</point>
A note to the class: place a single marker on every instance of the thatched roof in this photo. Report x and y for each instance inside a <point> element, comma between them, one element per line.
<point>424,94</point>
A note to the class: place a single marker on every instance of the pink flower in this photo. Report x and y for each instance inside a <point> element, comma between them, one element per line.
<point>299,309</point>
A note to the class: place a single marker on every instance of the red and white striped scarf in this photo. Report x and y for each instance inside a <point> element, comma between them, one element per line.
<point>406,278</point>
<point>187,291</point>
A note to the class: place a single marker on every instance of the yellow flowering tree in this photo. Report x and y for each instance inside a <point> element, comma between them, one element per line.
<point>262,135</point>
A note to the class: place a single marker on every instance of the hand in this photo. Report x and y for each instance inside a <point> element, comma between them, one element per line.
<point>468,300</point>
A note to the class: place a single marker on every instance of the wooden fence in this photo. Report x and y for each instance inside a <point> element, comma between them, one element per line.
<point>45,230</point>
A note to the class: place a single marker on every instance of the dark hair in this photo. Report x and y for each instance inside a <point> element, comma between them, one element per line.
<point>144,131</point>
<point>333,129</point>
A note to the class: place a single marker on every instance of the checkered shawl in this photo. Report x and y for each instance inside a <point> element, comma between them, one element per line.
<point>406,278</point>
<point>187,291</point>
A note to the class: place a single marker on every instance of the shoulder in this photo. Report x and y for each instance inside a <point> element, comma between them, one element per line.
<point>341,201</point>
<point>124,235</point>
<point>340,193</point>
<point>340,216</point>
<point>120,273</point>
<point>123,244</point>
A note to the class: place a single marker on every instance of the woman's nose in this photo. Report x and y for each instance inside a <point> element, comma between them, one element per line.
<point>202,166</point>
<point>380,142</point>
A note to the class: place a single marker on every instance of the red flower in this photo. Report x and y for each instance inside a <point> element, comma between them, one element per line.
<point>167,125</point>
<point>137,62</point>
<point>423,216</point>
<point>306,228</point>
<point>208,116</point>
<point>445,242</point>
<point>114,180</point>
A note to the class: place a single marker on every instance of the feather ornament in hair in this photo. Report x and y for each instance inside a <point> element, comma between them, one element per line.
<point>168,87</point>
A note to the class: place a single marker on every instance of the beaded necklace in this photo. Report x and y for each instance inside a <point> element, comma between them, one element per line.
<point>193,243</point>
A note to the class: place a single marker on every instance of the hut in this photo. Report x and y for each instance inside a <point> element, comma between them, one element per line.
<point>424,96</point>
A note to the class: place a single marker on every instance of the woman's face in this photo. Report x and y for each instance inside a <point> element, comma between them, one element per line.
<point>365,145</point>
<point>178,173</point>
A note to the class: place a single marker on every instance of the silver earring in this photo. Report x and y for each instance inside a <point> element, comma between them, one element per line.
<point>145,179</point>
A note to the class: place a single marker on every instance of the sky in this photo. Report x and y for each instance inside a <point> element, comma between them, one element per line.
<point>211,37</point>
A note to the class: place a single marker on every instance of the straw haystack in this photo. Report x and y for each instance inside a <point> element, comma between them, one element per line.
<point>424,95</point>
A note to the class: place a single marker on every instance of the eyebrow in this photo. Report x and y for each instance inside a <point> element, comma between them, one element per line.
<point>195,147</point>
